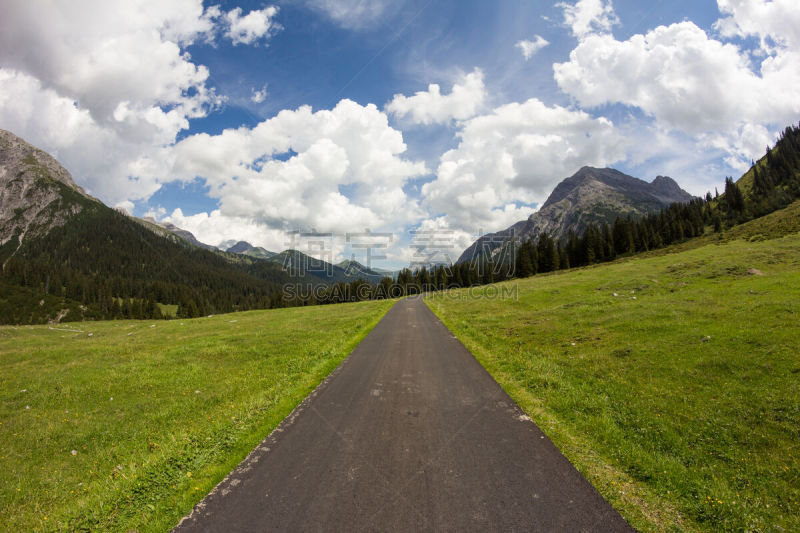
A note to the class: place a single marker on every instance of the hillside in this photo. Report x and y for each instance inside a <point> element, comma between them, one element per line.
<point>670,380</point>
<point>167,229</point>
<point>590,196</point>
<point>67,256</point>
<point>243,247</point>
<point>310,269</point>
<point>355,269</point>
<point>99,256</point>
<point>36,193</point>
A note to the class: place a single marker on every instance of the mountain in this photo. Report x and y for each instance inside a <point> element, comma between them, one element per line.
<point>245,248</point>
<point>36,193</point>
<point>590,196</point>
<point>354,268</point>
<point>67,255</point>
<point>167,228</point>
<point>302,266</point>
<point>240,247</point>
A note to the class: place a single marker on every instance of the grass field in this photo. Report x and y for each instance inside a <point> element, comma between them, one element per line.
<point>126,425</point>
<point>671,381</point>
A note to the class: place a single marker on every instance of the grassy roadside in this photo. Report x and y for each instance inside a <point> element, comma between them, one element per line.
<point>126,425</point>
<point>671,381</point>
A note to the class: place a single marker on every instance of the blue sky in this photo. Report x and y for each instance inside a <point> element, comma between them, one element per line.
<point>242,120</point>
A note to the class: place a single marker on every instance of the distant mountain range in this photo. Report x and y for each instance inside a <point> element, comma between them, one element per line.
<point>354,268</point>
<point>298,265</point>
<point>590,196</point>
<point>246,248</point>
<point>158,227</point>
<point>301,265</point>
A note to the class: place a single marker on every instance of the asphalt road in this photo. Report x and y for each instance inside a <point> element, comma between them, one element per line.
<point>409,433</point>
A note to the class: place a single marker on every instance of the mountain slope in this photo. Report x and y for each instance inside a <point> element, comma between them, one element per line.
<point>355,269</point>
<point>166,228</point>
<point>65,254</point>
<point>310,269</point>
<point>590,196</point>
<point>36,193</point>
<point>245,248</point>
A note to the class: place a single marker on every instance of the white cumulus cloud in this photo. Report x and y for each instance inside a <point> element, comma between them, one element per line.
<point>214,227</point>
<point>334,170</point>
<point>104,86</point>
<point>101,84</point>
<point>433,107</point>
<point>258,95</point>
<point>776,22</point>
<point>589,16</point>
<point>257,24</point>
<point>529,48</point>
<point>689,82</point>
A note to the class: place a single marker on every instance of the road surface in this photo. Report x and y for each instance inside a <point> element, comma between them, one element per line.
<point>409,433</point>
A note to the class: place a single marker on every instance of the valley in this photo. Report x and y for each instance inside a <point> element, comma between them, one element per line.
<point>634,368</point>
<point>347,265</point>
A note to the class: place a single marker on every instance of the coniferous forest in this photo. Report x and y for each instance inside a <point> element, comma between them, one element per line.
<point>103,265</point>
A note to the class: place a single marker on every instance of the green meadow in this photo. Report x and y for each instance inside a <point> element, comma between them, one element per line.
<point>126,425</point>
<point>670,380</point>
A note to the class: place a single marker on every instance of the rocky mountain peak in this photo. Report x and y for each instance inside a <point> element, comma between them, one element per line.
<point>20,160</point>
<point>244,247</point>
<point>240,247</point>
<point>668,188</point>
<point>590,196</point>
<point>36,192</point>
<point>592,178</point>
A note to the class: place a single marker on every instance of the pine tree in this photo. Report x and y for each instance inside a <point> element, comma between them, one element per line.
<point>137,313</point>
<point>534,254</point>
<point>563,258</point>
<point>547,253</point>
<point>488,272</point>
<point>733,196</point>
<point>458,275</point>
<point>154,311</point>
<point>524,267</point>
<point>607,242</point>
<point>191,310</point>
